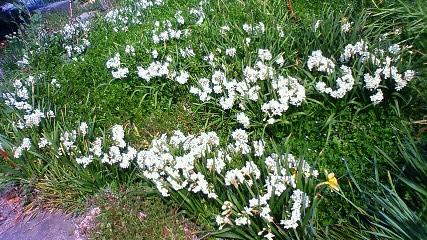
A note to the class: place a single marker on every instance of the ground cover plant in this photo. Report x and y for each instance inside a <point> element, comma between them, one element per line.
<point>255,117</point>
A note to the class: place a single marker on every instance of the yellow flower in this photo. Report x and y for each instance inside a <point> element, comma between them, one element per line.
<point>332,182</point>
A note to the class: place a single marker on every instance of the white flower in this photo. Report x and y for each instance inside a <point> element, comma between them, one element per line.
<point>67,139</point>
<point>320,63</point>
<point>280,61</point>
<point>130,50</point>
<point>230,52</point>
<point>179,18</point>
<point>372,82</point>
<point>269,236</point>
<point>299,198</point>
<point>394,49</point>
<point>114,62</point>
<point>243,119</point>
<point>154,54</point>
<point>25,145</point>
<point>85,160</point>
<point>258,148</point>
<point>43,143</point>
<point>50,114</point>
<point>224,29</point>
<point>83,128</point>
<point>120,73</point>
<point>96,147</point>
<point>345,84</point>
<point>182,78</point>
<point>377,97</point>
<point>33,119</point>
<point>242,221</point>
<point>317,25</point>
<point>187,52</point>
<point>118,135</point>
<point>264,54</point>
<point>345,26</point>
<point>55,83</point>
<point>240,135</point>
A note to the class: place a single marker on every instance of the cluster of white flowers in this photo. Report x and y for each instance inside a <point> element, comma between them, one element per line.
<point>73,30</point>
<point>198,13</point>
<point>282,171</point>
<point>360,51</point>
<point>164,32</point>
<point>77,49</point>
<point>182,78</point>
<point>25,145</point>
<point>179,18</point>
<point>345,25</point>
<point>43,143</point>
<point>68,141</point>
<point>377,97</point>
<point>18,99</point>
<point>75,38</point>
<point>83,128</point>
<point>344,84</point>
<point>245,175</point>
<point>160,165</point>
<point>170,163</point>
<point>299,199</point>
<point>230,52</point>
<point>55,83</point>
<point>118,153</point>
<point>241,139</point>
<point>129,49</point>
<point>223,219</point>
<point>320,63</point>
<point>24,62</point>
<point>224,29</point>
<point>258,28</point>
<point>114,64</point>
<point>289,91</point>
<point>218,162</point>
<point>233,90</point>
<point>155,69</point>
<point>243,119</point>
<point>122,18</point>
<point>187,52</point>
<point>33,119</point>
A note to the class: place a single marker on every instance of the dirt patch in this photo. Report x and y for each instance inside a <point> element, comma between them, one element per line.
<point>16,224</point>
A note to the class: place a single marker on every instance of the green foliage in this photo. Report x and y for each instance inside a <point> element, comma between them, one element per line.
<point>396,210</point>
<point>341,135</point>
<point>131,214</point>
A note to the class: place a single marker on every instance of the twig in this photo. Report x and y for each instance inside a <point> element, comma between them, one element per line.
<point>292,10</point>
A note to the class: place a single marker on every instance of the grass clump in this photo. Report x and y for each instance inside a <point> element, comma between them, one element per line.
<point>128,215</point>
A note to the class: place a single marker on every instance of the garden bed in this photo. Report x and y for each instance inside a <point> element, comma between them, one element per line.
<point>251,117</point>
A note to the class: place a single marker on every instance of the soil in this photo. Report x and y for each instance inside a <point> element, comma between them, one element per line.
<point>16,224</point>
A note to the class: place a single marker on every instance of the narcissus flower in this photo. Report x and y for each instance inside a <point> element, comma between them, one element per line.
<point>332,182</point>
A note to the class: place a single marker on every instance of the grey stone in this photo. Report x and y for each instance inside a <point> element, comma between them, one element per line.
<point>86,16</point>
<point>15,225</point>
<point>62,5</point>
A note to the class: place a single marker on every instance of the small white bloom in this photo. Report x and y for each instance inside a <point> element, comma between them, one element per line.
<point>182,78</point>
<point>130,50</point>
<point>230,52</point>
<point>83,128</point>
<point>243,119</point>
